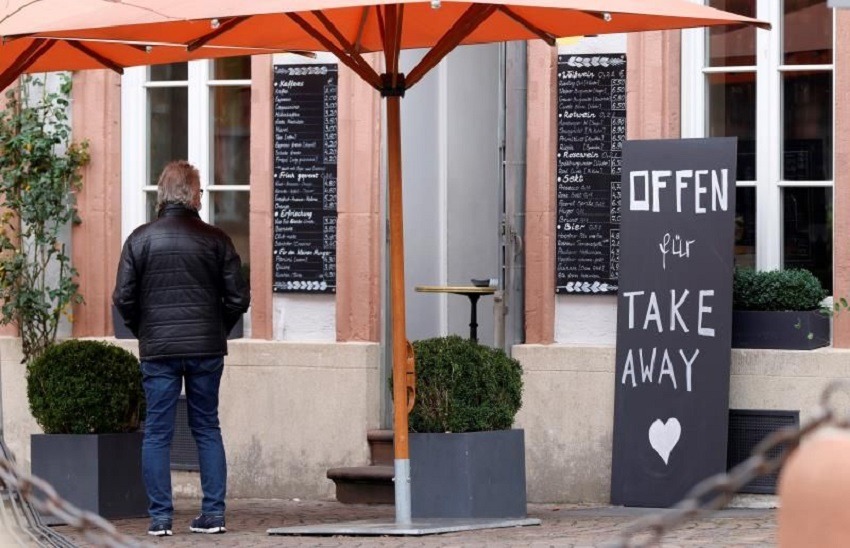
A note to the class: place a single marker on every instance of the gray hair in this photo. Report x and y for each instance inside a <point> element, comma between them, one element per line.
<point>179,183</point>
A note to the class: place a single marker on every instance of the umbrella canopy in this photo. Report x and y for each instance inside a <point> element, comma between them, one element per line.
<point>349,28</point>
<point>34,54</point>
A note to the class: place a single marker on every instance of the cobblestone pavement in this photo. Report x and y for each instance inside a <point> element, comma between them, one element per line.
<point>562,525</point>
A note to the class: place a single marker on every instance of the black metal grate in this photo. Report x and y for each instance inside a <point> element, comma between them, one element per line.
<point>746,429</point>
<point>184,452</point>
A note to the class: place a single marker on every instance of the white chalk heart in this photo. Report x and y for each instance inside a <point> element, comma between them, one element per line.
<point>664,437</point>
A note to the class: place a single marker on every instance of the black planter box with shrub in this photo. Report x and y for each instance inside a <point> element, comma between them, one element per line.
<point>477,470</point>
<point>101,473</point>
<point>780,330</point>
<point>469,475</point>
<point>87,397</point>
<point>778,309</point>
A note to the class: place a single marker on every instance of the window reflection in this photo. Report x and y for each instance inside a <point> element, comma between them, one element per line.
<point>807,231</point>
<point>745,227</point>
<point>150,205</point>
<point>231,135</point>
<point>232,68</point>
<point>173,71</point>
<point>807,135</point>
<point>732,113</point>
<point>807,32</point>
<point>732,45</point>
<point>229,212</point>
<point>167,120</point>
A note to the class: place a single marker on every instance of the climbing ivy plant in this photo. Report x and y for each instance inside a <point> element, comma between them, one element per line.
<point>40,172</point>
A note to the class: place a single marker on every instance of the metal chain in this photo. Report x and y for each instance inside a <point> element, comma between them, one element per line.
<point>44,498</point>
<point>715,492</point>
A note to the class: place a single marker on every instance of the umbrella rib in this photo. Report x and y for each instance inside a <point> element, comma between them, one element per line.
<point>380,13</point>
<point>531,27</point>
<point>463,27</point>
<point>397,44</point>
<point>346,45</point>
<point>364,71</point>
<point>106,62</point>
<point>364,17</point>
<point>223,27</point>
<point>25,60</point>
<point>390,36</point>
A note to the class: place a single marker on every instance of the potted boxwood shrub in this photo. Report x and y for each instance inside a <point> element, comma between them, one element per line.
<point>465,461</point>
<point>87,397</point>
<point>778,309</point>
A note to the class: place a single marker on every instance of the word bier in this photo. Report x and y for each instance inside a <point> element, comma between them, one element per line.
<point>701,180</point>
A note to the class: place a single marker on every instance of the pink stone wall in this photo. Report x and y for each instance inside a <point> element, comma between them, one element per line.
<point>540,194</point>
<point>96,242</point>
<point>261,197</point>
<point>653,83</point>
<point>841,196</point>
<point>359,242</point>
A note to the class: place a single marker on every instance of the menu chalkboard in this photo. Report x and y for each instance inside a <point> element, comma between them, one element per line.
<point>305,185</point>
<point>591,131</point>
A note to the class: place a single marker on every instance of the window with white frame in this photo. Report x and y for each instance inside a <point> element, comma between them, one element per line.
<point>199,111</point>
<point>773,90</point>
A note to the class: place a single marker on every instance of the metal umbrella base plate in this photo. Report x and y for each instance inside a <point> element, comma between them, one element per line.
<point>417,528</point>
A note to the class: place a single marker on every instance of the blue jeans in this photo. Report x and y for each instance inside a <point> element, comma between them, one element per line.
<point>162,380</point>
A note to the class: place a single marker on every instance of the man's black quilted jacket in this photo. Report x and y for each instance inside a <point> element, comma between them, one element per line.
<point>180,287</point>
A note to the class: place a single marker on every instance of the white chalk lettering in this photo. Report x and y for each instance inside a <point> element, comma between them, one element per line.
<point>629,369</point>
<point>658,182</point>
<point>630,295</point>
<point>649,187</point>
<point>681,184</point>
<point>688,364</point>
<point>634,203</point>
<point>674,310</point>
<point>676,306</point>
<point>720,190</point>
<point>676,246</point>
<point>667,369</point>
<point>704,331</point>
<point>699,190</point>
<point>653,313</point>
<point>646,369</point>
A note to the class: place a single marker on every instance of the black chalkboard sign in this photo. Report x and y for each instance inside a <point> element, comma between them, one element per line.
<point>591,131</point>
<point>674,318</point>
<point>305,185</point>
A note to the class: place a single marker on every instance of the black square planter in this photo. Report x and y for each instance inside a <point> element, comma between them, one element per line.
<point>780,330</point>
<point>101,473</point>
<point>469,475</point>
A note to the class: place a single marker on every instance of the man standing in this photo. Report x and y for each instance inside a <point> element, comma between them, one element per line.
<point>180,291</point>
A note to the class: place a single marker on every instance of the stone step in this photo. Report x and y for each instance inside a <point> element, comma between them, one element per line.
<point>364,484</point>
<point>380,446</point>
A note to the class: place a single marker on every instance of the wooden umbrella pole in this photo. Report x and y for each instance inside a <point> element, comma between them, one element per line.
<point>399,331</point>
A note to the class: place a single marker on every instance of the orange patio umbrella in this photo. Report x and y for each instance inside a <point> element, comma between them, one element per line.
<point>349,28</point>
<point>36,54</point>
